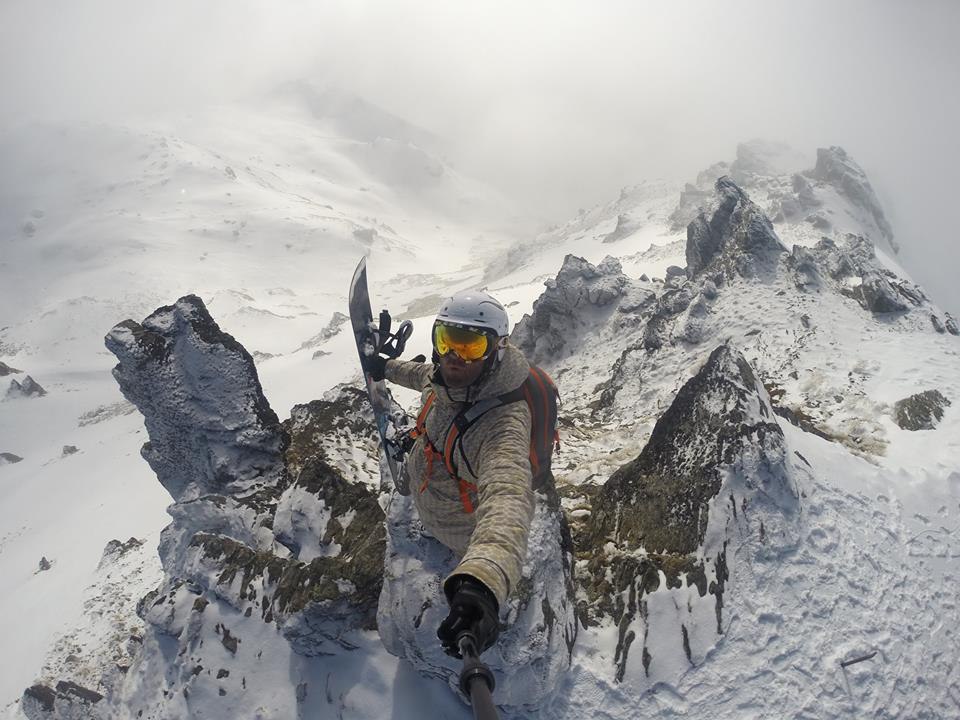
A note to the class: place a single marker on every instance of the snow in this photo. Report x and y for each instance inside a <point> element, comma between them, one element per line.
<point>126,220</point>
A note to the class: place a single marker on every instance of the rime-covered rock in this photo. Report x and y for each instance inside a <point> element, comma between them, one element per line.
<point>664,515</point>
<point>921,411</point>
<point>876,294</point>
<point>734,234</point>
<point>271,525</point>
<point>29,388</point>
<point>211,428</point>
<point>533,652</point>
<point>834,166</point>
<point>571,304</point>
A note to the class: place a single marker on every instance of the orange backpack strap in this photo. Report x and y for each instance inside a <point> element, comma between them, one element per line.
<point>421,427</point>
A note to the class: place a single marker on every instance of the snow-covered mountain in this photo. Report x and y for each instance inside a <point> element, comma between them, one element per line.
<point>760,464</point>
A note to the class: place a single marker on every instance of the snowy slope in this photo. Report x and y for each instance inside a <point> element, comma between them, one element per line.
<point>264,214</point>
<point>870,563</point>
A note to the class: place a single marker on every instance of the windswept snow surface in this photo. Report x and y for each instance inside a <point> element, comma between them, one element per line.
<point>265,216</point>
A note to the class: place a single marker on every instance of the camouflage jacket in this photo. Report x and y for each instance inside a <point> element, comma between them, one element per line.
<point>492,540</point>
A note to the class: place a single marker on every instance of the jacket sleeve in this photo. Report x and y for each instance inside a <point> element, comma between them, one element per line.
<point>413,375</point>
<point>498,546</point>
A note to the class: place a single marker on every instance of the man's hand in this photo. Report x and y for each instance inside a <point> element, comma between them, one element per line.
<point>473,608</point>
<point>375,366</point>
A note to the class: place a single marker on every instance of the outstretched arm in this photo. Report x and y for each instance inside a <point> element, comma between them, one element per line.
<point>410,374</point>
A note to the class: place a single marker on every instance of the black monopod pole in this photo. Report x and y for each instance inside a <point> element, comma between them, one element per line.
<point>476,680</point>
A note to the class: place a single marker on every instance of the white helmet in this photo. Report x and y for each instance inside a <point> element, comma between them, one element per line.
<point>472,308</point>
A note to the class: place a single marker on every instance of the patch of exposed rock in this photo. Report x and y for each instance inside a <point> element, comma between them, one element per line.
<point>7,370</point>
<point>67,700</point>
<point>652,515</point>
<point>7,458</point>
<point>732,235</point>
<point>836,167</point>
<point>29,388</point>
<point>850,266</point>
<point>572,303</point>
<point>921,411</point>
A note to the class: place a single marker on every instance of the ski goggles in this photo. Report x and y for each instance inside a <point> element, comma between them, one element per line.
<point>470,345</point>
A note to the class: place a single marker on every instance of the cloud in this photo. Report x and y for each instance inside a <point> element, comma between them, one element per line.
<point>558,103</point>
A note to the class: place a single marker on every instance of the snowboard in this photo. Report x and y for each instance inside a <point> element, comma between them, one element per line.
<point>392,422</point>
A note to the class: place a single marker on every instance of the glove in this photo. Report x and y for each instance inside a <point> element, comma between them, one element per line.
<point>474,609</point>
<point>375,366</point>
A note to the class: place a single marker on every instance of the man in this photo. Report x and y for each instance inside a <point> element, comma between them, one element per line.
<point>483,509</point>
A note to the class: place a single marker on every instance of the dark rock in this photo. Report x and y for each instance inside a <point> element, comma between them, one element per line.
<point>921,411</point>
<point>116,549</point>
<point>676,271</point>
<point>837,168</point>
<point>68,450</point>
<point>877,295</point>
<point>28,388</point>
<point>68,700</point>
<point>736,236</point>
<point>211,428</point>
<point>659,501</point>
<point>44,565</point>
<point>937,324</point>
<point>42,697</point>
<point>572,304</point>
<point>9,458</point>
<point>951,325</point>
<point>803,264</point>
<point>7,370</point>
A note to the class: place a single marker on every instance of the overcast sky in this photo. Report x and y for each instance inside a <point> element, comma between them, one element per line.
<point>557,103</point>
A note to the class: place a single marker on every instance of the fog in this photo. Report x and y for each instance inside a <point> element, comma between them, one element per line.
<point>556,103</point>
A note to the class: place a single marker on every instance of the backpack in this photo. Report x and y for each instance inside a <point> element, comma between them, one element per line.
<point>542,397</point>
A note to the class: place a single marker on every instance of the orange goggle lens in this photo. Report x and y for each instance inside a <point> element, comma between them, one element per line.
<point>468,344</point>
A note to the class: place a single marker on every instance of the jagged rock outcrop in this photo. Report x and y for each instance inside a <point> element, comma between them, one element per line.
<point>834,166</point>
<point>211,429</point>
<point>876,294</point>
<point>852,266</point>
<point>672,510</point>
<point>534,650</point>
<point>732,235</point>
<point>921,411</point>
<point>7,370</point>
<point>272,524</point>
<point>29,388</point>
<point>573,302</point>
